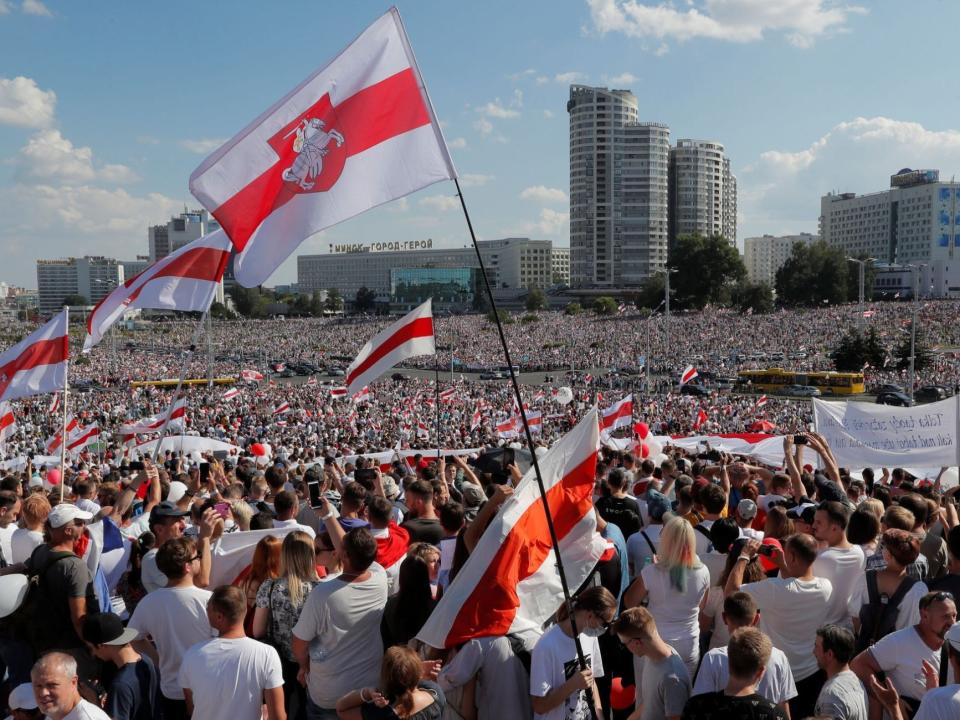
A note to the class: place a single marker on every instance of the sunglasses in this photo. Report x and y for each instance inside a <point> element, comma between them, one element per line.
<point>930,598</point>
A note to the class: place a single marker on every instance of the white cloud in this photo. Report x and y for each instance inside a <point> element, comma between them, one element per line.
<point>548,114</point>
<point>542,80</point>
<point>35,7</point>
<point>48,156</point>
<point>522,74</point>
<point>23,104</point>
<point>440,203</point>
<point>399,206</point>
<point>457,143</point>
<point>780,191</point>
<point>568,78</point>
<point>4,7</point>
<point>801,22</point>
<point>551,223</point>
<point>541,193</point>
<point>203,146</point>
<point>475,180</point>
<point>497,109</point>
<point>621,80</point>
<point>483,126</point>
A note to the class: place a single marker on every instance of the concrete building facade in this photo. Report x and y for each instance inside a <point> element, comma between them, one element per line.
<point>179,231</point>
<point>764,255</point>
<point>703,191</point>
<point>93,277</point>
<point>560,264</point>
<point>914,222</point>
<point>618,190</point>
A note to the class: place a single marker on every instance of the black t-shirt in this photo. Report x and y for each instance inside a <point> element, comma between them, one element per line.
<point>720,706</point>
<point>948,583</point>
<point>424,530</point>
<point>623,512</point>
<point>135,692</point>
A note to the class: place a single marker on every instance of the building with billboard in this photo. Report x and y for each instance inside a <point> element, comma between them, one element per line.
<point>915,222</point>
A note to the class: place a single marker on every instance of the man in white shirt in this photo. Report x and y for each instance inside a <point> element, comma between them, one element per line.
<point>167,523</point>
<point>9,511</point>
<point>776,685</point>
<point>910,658</point>
<point>54,678</point>
<point>792,607</point>
<point>287,506</point>
<point>230,677</point>
<point>175,618</point>
<point>843,696</point>
<point>840,562</point>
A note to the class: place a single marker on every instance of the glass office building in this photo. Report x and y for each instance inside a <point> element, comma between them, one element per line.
<point>450,287</point>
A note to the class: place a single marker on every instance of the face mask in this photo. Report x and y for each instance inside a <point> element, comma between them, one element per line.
<point>228,524</point>
<point>594,632</point>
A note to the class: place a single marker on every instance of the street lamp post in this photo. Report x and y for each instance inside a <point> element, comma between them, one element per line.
<point>862,268</point>
<point>915,269</point>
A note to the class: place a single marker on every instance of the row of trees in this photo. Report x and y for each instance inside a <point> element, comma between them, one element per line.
<point>856,351</point>
<point>254,303</point>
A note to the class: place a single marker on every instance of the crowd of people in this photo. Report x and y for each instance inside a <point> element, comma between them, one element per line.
<point>729,588</point>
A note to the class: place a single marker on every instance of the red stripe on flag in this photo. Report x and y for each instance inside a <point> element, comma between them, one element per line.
<point>493,605</point>
<point>6,421</point>
<point>419,328</point>
<point>42,352</point>
<point>371,116</point>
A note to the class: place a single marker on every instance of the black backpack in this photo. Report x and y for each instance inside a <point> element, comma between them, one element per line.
<point>22,623</point>
<point>878,618</point>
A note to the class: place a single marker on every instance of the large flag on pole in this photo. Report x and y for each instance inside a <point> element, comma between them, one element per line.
<point>177,412</point>
<point>510,581</point>
<point>8,423</point>
<point>184,280</point>
<point>357,133</point>
<point>410,336</point>
<point>618,415</point>
<point>38,363</point>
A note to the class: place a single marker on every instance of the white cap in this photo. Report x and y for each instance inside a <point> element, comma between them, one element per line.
<point>64,513</point>
<point>177,491</point>
<point>22,698</point>
<point>953,636</point>
<point>13,590</point>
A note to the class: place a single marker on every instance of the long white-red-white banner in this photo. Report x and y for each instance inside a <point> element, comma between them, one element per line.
<point>38,363</point>
<point>510,582</point>
<point>410,336</point>
<point>357,133</point>
<point>177,412</point>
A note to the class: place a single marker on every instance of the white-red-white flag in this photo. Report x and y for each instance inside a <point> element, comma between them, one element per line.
<point>761,401</point>
<point>699,419</point>
<point>410,336</point>
<point>87,436</point>
<point>510,582</point>
<point>618,415</point>
<point>447,395</point>
<point>534,421</point>
<point>253,375</point>
<point>338,392</point>
<point>53,443</point>
<point>689,373</point>
<point>38,363</point>
<point>476,420</point>
<point>282,408</point>
<point>311,381</point>
<point>362,396</point>
<point>357,133</point>
<point>177,412</point>
<point>422,430</point>
<point>509,428</point>
<point>184,280</point>
<point>54,404</point>
<point>8,422</point>
<point>231,393</point>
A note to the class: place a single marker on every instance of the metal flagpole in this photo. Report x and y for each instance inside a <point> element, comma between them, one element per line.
<point>536,465</point>
<point>188,353</point>
<point>66,393</point>
<point>436,390</point>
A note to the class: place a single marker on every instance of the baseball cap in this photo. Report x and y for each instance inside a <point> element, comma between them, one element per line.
<point>473,495</point>
<point>22,698</point>
<point>805,513</point>
<point>166,509</point>
<point>765,562</point>
<point>65,513</point>
<point>657,505</point>
<point>747,509</point>
<point>177,491</point>
<point>390,488</point>
<point>953,636</point>
<point>107,629</point>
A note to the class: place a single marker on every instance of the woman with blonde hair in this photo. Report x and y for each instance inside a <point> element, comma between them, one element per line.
<point>674,587</point>
<point>279,603</point>
<point>403,692</point>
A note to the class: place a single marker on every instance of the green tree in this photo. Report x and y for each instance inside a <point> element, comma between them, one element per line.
<point>856,350</point>
<point>316,304</point>
<point>573,308</point>
<point>705,270</point>
<point>334,302</point>
<point>75,300</point>
<point>219,311</point>
<point>605,305</point>
<point>651,292</point>
<point>536,300</point>
<point>747,295</point>
<point>366,299</point>
<point>247,301</point>
<point>505,317</point>
<point>300,305</point>
<point>923,357</point>
<point>813,275</point>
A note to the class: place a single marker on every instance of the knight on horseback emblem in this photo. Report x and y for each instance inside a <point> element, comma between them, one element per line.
<point>310,144</point>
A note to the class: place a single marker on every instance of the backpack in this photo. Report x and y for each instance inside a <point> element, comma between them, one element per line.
<point>21,623</point>
<point>878,618</point>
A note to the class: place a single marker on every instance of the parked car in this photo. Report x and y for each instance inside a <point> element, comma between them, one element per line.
<point>899,399</point>
<point>398,377</point>
<point>695,390</point>
<point>492,375</point>
<point>886,387</point>
<point>335,372</point>
<point>932,393</point>
<point>801,391</point>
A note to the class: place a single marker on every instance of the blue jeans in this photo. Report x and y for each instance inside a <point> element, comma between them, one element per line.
<point>315,712</point>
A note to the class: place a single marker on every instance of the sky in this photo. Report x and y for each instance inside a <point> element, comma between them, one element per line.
<point>107,107</point>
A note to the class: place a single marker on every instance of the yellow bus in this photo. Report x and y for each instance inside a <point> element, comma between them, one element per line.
<point>173,382</point>
<point>773,380</point>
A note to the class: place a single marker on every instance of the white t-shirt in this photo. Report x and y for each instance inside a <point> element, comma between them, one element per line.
<point>843,697</point>
<point>900,655</point>
<point>713,608</point>
<point>84,710</point>
<point>676,613</point>
<point>638,549</point>
<point>22,544</point>
<point>150,574</point>
<point>907,615</point>
<point>292,523</point>
<point>341,621</point>
<point>553,662</point>
<point>6,535</point>
<point>227,677</point>
<point>791,610</point>
<point>176,619</point>
<point>776,685</point>
<point>842,568</point>
<point>940,704</point>
<point>714,561</point>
